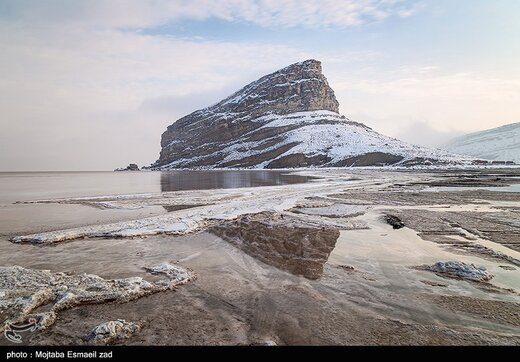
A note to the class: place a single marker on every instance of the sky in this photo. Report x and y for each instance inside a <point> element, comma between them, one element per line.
<point>92,84</point>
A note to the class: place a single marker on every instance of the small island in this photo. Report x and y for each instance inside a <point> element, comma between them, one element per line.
<point>130,167</point>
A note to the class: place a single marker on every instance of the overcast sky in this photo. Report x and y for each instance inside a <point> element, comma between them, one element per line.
<point>92,84</point>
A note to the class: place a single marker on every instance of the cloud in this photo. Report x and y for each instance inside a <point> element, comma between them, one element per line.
<point>80,90</point>
<point>177,106</point>
<point>81,87</point>
<point>319,13</point>
<point>423,133</point>
<point>413,96</point>
<point>454,86</point>
<point>266,13</point>
<point>75,98</point>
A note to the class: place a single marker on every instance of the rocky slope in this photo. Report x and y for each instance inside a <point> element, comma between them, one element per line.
<point>501,143</point>
<point>285,119</point>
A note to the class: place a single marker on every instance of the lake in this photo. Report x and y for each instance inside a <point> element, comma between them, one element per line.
<point>26,186</point>
<point>16,187</point>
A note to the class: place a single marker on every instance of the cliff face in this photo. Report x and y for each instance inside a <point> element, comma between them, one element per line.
<point>285,119</point>
<point>298,87</point>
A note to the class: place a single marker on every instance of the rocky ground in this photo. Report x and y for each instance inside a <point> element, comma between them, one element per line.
<point>353,257</point>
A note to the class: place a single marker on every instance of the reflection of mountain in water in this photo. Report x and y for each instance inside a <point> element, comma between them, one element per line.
<point>286,243</point>
<point>205,180</point>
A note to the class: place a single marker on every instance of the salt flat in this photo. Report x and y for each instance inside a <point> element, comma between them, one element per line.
<point>308,263</point>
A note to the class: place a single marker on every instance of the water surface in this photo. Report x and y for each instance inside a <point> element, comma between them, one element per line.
<point>17,217</point>
<point>27,186</point>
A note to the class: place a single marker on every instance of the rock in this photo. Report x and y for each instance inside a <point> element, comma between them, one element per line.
<point>507,267</point>
<point>264,342</point>
<point>285,119</point>
<point>130,167</point>
<point>173,272</point>
<point>394,221</point>
<point>434,283</point>
<point>460,270</point>
<point>112,331</point>
<point>346,267</point>
<point>26,290</point>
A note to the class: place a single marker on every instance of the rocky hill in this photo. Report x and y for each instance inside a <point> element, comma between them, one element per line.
<point>285,119</point>
<point>501,143</point>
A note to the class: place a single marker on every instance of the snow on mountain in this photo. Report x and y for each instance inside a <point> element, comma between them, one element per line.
<point>501,143</point>
<point>314,134</point>
<point>285,119</point>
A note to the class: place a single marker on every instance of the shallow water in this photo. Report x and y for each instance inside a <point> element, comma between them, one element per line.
<point>27,186</point>
<point>22,187</point>
<point>226,179</point>
<point>238,299</point>
<point>381,250</point>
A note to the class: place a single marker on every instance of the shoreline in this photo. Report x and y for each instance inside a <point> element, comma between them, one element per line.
<point>369,290</point>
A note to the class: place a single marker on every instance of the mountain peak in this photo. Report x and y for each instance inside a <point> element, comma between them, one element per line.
<point>288,118</point>
<point>298,87</point>
<point>309,65</point>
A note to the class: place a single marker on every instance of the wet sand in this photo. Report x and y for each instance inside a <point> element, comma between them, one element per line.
<point>369,290</point>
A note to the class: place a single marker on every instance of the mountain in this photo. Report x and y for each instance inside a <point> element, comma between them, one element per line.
<point>289,118</point>
<point>501,143</point>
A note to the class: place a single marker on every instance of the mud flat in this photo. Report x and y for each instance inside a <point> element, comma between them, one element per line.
<point>314,263</point>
